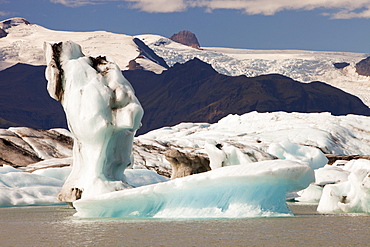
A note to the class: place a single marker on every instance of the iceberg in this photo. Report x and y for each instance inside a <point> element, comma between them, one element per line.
<point>103,115</point>
<point>329,174</point>
<point>249,190</point>
<point>291,151</point>
<point>353,194</point>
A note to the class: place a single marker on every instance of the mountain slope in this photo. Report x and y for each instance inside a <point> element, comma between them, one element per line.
<point>24,100</point>
<point>300,65</point>
<point>195,92</point>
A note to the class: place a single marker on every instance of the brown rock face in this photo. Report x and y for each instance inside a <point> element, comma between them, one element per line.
<point>186,164</point>
<point>133,65</point>
<point>363,67</point>
<point>186,38</point>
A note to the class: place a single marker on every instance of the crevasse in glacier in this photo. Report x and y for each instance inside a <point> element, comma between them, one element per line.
<point>103,115</point>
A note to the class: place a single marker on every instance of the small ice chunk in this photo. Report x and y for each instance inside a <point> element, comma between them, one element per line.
<point>291,151</point>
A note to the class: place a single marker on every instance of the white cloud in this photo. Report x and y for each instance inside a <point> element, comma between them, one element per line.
<point>4,13</point>
<point>79,3</point>
<point>339,9</point>
<point>160,6</point>
<point>342,8</point>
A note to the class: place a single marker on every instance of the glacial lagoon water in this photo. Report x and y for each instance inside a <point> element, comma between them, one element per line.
<point>56,226</point>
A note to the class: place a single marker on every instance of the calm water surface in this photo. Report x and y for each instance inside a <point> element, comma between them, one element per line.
<point>56,226</point>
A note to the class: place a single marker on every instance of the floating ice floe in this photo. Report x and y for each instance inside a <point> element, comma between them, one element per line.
<point>250,190</point>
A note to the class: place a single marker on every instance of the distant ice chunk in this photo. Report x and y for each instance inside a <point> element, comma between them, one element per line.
<point>250,190</point>
<point>60,173</point>
<point>225,155</point>
<point>142,177</point>
<point>19,188</point>
<point>291,151</point>
<point>349,196</point>
<point>329,174</point>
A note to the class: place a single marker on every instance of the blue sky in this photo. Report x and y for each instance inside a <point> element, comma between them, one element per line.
<point>331,25</point>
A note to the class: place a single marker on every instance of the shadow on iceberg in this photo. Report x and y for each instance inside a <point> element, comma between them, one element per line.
<point>251,190</point>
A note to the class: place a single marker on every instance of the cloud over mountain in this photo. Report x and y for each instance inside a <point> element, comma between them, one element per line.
<point>336,9</point>
<point>79,3</point>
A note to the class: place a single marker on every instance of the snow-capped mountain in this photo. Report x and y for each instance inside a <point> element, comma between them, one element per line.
<point>23,43</point>
<point>300,65</point>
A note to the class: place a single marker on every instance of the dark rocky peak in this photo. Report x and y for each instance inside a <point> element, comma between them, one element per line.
<point>193,68</point>
<point>341,65</point>
<point>12,22</point>
<point>363,67</point>
<point>186,38</point>
<point>145,51</point>
<point>3,33</point>
<point>133,65</point>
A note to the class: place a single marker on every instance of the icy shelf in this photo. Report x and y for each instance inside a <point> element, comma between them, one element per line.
<point>251,190</point>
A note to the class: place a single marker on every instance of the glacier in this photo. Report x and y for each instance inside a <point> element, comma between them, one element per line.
<point>245,139</point>
<point>102,113</point>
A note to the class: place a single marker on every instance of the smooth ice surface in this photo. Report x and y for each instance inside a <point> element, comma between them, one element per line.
<point>103,115</point>
<point>59,173</point>
<point>349,196</point>
<point>250,190</point>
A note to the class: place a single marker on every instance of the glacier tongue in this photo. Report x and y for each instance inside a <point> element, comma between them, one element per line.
<point>251,190</point>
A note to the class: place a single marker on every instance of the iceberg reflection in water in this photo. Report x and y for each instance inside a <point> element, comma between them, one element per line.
<point>251,190</point>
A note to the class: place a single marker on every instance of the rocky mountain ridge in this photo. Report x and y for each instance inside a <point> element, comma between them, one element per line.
<point>363,67</point>
<point>189,92</point>
<point>195,92</point>
<point>186,38</point>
